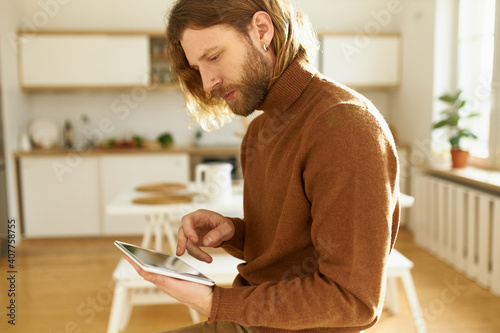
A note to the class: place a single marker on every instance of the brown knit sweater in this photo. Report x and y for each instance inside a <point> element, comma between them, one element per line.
<point>321,211</point>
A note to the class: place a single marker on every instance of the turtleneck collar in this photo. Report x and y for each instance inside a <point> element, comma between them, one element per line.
<point>285,91</point>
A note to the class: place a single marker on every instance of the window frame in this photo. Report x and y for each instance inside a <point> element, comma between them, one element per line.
<point>493,159</point>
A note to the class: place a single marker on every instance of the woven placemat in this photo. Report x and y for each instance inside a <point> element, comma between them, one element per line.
<point>163,199</point>
<point>161,187</point>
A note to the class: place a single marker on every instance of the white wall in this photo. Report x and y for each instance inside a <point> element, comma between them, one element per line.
<point>139,112</point>
<point>95,14</point>
<point>413,101</point>
<point>339,15</point>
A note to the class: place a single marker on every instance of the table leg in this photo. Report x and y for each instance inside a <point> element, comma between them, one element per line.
<point>148,232</point>
<point>153,232</point>
<point>170,224</point>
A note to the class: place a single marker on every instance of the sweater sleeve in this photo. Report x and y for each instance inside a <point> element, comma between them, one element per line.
<point>350,178</point>
<point>235,245</point>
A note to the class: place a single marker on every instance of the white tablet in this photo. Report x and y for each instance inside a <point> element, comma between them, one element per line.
<point>162,263</point>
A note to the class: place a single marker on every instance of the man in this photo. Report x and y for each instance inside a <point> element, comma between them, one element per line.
<point>321,208</point>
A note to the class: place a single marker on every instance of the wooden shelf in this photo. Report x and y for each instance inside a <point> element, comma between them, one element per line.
<point>206,150</point>
<point>149,87</point>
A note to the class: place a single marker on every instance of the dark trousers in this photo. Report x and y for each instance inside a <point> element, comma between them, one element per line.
<point>218,326</point>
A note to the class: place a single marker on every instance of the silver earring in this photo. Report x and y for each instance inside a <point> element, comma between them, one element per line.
<point>266,48</point>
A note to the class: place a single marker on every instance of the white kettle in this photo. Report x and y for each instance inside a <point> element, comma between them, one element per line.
<point>213,180</point>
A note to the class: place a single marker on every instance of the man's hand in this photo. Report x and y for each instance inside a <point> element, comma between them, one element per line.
<point>203,228</point>
<point>194,295</point>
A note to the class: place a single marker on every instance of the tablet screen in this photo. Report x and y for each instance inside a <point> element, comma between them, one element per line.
<point>161,260</point>
<point>163,263</point>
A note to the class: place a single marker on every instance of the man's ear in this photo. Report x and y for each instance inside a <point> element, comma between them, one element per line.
<point>261,29</point>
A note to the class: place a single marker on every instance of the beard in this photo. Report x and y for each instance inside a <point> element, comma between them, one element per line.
<point>252,90</point>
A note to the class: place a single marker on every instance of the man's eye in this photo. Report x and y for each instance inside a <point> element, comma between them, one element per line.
<point>215,58</point>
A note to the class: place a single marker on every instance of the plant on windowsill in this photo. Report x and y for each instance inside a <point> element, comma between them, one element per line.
<point>454,118</point>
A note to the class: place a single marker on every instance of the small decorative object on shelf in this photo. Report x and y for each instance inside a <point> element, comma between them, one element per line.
<point>198,137</point>
<point>68,135</point>
<point>160,67</point>
<point>453,118</point>
<point>166,139</point>
<point>87,142</point>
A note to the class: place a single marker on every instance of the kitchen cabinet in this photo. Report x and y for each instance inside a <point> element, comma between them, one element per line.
<point>60,196</point>
<point>124,171</point>
<point>361,61</point>
<point>83,60</point>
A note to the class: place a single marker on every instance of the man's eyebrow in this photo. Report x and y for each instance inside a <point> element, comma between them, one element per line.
<point>204,54</point>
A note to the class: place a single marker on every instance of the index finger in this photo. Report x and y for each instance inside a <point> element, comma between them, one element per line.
<point>182,241</point>
<point>183,244</point>
<point>188,227</point>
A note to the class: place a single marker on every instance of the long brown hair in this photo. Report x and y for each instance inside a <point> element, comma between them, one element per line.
<point>293,37</point>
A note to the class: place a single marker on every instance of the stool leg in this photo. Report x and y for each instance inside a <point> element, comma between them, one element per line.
<point>195,316</point>
<point>392,295</point>
<point>127,308</point>
<point>116,314</point>
<point>411,294</point>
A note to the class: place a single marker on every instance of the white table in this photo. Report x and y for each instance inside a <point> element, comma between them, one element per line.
<point>164,218</point>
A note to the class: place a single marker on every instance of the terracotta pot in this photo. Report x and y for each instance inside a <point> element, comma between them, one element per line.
<point>459,159</point>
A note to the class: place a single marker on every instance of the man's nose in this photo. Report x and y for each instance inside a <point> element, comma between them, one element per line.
<point>210,80</point>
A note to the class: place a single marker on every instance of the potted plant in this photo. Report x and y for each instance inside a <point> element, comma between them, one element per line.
<point>453,118</point>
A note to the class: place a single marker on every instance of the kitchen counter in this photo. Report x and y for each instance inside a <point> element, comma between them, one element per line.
<point>192,150</point>
<point>56,186</point>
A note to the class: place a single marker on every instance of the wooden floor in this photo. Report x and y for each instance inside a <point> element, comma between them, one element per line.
<point>65,286</point>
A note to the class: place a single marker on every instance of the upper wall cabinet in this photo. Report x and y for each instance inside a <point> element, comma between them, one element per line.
<point>361,61</point>
<point>84,61</point>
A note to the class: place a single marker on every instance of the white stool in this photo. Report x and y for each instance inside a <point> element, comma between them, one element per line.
<point>131,289</point>
<point>399,266</point>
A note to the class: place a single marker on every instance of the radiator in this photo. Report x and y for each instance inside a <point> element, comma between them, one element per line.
<point>460,225</point>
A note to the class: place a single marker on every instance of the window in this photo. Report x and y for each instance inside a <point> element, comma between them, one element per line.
<point>476,41</point>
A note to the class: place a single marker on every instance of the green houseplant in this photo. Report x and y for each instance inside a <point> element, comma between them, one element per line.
<point>454,117</point>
